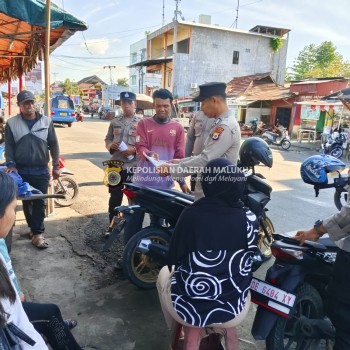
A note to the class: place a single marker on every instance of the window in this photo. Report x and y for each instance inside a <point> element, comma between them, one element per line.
<point>133,80</point>
<point>235,59</point>
<point>169,79</point>
<point>133,57</point>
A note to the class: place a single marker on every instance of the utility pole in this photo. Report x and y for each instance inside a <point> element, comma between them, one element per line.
<point>110,71</point>
<point>54,76</point>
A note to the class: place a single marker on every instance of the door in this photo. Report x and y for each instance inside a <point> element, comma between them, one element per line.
<point>283,115</point>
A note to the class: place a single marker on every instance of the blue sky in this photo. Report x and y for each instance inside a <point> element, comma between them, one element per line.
<point>114,25</point>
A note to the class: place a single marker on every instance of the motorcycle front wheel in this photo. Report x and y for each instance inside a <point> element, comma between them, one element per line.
<point>286,334</point>
<point>264,244</point>
<point>67,186</point>
<point>336,152</point>
<point>285,144</point>
<point>139,267</point>
<point>340,198</point>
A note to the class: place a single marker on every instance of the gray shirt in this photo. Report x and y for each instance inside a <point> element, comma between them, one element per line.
<point>122,129</point>
<point>223,141</point>
<point>197,134</point>
<point>338,227</point>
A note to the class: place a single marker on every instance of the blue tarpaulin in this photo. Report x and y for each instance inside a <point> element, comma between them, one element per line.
<point>33,12</point>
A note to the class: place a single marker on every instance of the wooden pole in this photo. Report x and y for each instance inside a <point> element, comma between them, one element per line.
<point>9,97</point>
<point>50,202</point>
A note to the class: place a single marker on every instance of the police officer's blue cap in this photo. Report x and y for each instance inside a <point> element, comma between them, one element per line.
<point>209,90</point>
<point>24,96</point>
<point>127,96</point>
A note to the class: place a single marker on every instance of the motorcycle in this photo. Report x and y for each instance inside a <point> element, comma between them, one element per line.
<point>291,312</point>
<point>334,145</point>
<point>273,138</point>
<point>340,183</point>
<point>79,117</point>
<point>145,251</point>
<point>65,185</point>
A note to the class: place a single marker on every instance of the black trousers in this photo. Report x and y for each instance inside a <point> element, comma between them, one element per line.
<point>116,194</point>
<point>48,321</point>
<point>34,211</point>
<point>339,300</point>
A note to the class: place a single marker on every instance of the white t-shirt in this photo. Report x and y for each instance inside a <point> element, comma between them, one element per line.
<point>19,318</point>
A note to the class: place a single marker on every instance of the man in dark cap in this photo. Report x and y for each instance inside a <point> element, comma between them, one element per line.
<point>120,142</point>
<point>223,140</point>
<point>29,137</point>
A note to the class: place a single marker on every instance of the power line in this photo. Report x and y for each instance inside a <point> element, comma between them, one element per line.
<point>90,58</point>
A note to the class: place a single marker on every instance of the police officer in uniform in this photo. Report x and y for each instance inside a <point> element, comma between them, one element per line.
<point>122,132</point>
<point>223,141</point>
<point>197,134</point>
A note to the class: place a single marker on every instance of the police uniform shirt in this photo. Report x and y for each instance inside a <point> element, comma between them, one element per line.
<point>197,133</point>
<point>223,142</point>
<point>121,129</point>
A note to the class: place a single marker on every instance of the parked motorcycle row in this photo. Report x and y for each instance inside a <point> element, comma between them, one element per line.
<point>273,135</point>
<point>292,299</point>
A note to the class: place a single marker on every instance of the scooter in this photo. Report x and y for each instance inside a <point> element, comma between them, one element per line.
<point>291,299</point>
<point>334,145</point>
<point>145,251</point>
<point>66,186</point>
<point>273,138</point>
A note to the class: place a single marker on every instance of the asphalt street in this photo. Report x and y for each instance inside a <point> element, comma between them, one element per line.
<point>112,313</point>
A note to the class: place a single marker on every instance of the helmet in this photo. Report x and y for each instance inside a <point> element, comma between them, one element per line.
<point>314,169</point>
<point>253,151</point>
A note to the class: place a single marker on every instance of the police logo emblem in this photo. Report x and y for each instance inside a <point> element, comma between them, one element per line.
<point>113,169</point>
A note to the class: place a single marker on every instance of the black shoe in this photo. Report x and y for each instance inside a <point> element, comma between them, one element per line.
<point>70,323</point>
<point>108,232</point>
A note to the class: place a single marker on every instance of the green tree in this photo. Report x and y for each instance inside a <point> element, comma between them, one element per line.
<point>123,82</point>
<point>70,88</point>
<point>319,62</point>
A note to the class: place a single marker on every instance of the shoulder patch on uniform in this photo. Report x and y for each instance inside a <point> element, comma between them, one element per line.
<point>217,132</point>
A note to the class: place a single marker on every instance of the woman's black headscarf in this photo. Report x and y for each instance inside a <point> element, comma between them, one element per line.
<point>221,179</point>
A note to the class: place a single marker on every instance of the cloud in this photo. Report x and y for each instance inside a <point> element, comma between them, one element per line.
<point>97,46</point>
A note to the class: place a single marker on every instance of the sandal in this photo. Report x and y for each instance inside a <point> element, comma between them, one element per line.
<point>26,235</point>
<point>70,323</point>
<point>39,241</point>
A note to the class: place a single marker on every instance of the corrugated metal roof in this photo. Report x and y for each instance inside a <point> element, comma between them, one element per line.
<point>311,82</point>
<point>257,87</point>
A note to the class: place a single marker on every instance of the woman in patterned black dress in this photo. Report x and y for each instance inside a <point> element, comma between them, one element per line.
<point>208,275</point>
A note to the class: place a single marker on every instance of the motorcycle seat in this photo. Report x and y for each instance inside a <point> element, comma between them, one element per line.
<point>272,133</point>
<point>177,193</point>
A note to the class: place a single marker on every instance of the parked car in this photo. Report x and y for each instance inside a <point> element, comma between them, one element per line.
<point>109,113</point>
<point>62,110</point>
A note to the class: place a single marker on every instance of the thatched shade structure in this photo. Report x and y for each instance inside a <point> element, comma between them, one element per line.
<point>22,34</point>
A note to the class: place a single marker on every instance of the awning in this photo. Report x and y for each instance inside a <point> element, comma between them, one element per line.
<point>148,63</point>
<point>319,103</point>
<point>22,34</point>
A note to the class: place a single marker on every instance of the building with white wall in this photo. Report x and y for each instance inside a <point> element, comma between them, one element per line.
<point>187,54</point>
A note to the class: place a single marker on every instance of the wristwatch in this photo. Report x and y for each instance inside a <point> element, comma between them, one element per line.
<point>317,227</point>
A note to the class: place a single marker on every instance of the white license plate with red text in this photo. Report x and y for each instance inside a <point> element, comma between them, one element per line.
<point>271,297</point>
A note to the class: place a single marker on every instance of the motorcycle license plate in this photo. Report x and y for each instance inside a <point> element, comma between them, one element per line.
<point>271,297</point>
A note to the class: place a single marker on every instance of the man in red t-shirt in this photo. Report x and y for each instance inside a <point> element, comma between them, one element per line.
<point>161,138</point>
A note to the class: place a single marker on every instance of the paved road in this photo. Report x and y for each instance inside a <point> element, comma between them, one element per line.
<point>74,273</point>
